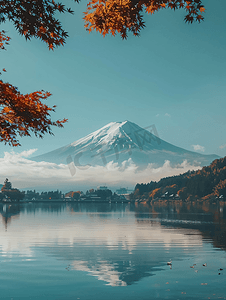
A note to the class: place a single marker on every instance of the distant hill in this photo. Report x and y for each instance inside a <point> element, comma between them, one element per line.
<point>118,142</point>
<point>207,183</point>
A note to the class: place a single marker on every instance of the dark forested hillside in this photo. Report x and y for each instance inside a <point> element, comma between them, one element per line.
<point>207,183</point>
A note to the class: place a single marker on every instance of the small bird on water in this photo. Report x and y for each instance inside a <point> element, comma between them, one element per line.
<point>169,263</point>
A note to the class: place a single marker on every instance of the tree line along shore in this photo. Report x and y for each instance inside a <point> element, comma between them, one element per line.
<point>206,184</point>
<point>9,194</point>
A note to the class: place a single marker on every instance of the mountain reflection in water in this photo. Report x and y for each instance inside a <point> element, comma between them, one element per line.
<point>119,244</point>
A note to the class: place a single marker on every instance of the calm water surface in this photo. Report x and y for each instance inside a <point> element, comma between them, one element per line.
<point>112,251</point>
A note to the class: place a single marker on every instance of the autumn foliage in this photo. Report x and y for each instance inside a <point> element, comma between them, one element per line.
<point>9,192</point>
<point>4,40</point>
<point>23,114</point>
<point>123,16</point>
<point>207,183</point>
<point>20,115</point>
<point>38,18</point>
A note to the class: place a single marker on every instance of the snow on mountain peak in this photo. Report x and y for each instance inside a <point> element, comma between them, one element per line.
<point>118,142</point>
<point>108,133</point>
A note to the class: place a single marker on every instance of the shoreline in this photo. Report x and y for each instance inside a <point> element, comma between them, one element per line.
<point>65,201</point>
<point>141,202</point>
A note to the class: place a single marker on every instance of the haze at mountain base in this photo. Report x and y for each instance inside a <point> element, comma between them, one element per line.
<point>118,142</point>
<point>119,154</point>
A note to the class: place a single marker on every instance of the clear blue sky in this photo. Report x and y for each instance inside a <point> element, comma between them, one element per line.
<point>173,76</point>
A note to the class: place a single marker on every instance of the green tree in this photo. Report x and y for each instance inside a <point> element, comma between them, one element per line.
<point>75,195</point>
<point>104,194</point>
<point>7,185</point>
<point>182,193</point>
<point>220,189</point>
<point>14,194</point>
<point>9,192</point>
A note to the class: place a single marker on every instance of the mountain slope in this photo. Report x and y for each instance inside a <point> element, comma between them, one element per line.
<point>120,142</point>
<point>207,183</point>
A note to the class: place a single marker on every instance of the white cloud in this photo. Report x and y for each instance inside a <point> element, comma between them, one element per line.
<point>166,115</point>
<point>25,173</point>
<point>198,148</point>
<point>222,146</point>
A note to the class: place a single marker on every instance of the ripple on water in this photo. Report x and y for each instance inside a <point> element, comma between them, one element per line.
<point>114,254</point>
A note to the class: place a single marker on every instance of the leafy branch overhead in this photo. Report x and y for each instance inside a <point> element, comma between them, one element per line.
<point>4,40</point>
<point>123,16</point>
<point>36,18</point>
<point>21,115</point>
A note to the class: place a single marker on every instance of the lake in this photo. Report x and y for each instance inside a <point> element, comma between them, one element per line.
<point>112,251</point>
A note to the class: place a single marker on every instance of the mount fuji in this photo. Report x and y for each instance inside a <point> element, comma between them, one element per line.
<point>120,142</point>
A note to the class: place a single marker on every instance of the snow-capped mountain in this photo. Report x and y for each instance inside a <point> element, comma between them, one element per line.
<point>120,142</point>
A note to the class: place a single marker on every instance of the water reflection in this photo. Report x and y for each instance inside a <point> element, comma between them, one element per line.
<point>119,244</point>
<point>9,212</point>
<point>209,219</point>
